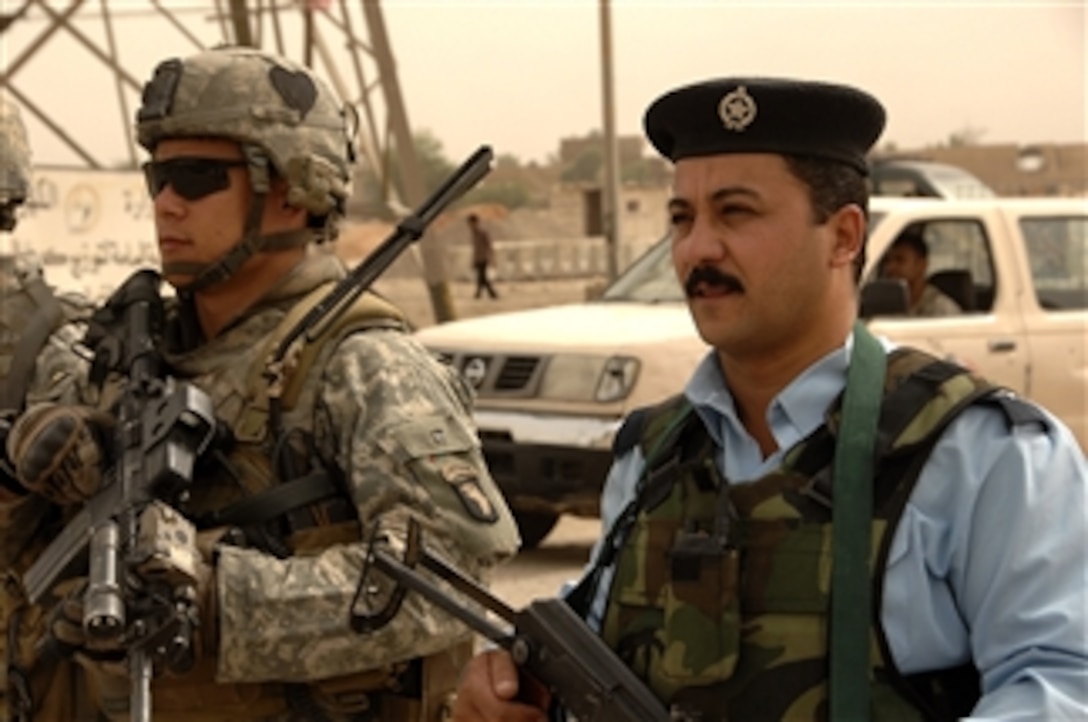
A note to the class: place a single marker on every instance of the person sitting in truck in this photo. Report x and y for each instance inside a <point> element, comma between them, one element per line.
<point>908,260</point>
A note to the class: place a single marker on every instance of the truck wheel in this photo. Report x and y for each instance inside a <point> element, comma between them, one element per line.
<point>534,526</point>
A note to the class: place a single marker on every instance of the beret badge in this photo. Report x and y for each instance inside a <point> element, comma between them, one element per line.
<point>737,109</point>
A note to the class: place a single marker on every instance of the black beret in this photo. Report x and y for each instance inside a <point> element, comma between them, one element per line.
<point>766,115</point>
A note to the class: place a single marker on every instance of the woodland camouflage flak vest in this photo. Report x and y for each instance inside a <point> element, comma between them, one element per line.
<point>720,599</point>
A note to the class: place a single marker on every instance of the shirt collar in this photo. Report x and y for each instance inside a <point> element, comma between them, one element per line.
<point>797,411</point>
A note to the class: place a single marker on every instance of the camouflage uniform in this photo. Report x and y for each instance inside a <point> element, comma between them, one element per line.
<point>372,409</point>
<point>26,520</point>
<point>35,323</point>
<point>396,425</point>
<point>22,287</point>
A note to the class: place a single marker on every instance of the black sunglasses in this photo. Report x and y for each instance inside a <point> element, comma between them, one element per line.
<point>191,178</point>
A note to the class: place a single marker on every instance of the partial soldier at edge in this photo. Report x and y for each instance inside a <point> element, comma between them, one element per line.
<point>40,362</point>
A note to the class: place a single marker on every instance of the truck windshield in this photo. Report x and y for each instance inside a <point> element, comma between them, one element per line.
<point>651,278</point>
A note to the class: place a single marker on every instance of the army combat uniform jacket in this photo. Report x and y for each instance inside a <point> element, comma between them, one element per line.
<point>392,427</point>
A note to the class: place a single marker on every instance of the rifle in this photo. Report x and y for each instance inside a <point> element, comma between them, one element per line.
<point>546,639</point>
<point>360,278</point>
<point>141,553</point>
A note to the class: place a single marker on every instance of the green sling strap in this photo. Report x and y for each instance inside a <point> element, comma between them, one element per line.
<point>852,514</point>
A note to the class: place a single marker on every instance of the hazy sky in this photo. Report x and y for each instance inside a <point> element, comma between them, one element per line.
<point>521,74</point>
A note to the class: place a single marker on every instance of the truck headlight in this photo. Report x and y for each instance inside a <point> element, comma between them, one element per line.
<point>617,378</point>
<point>582,377</point>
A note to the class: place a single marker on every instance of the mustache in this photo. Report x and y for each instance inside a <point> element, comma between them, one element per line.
<point>711,276</point>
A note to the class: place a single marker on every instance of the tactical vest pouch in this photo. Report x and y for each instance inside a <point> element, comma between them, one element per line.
<point>197,697</point>
<point>655,621</point>
<point>783,562</point>
<point>193,698</point>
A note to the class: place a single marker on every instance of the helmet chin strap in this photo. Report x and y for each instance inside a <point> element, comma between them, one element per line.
<point>252,242</point>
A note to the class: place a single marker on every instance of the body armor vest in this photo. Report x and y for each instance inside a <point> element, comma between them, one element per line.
<point>720,598</point>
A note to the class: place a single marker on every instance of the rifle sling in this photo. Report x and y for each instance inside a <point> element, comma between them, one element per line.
<point>852,513</point>
<point>273,503</point>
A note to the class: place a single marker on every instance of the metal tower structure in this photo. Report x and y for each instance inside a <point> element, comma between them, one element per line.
<point>345,42</point>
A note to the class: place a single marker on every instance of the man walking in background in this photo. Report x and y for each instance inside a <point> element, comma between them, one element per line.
<point>483,255</point>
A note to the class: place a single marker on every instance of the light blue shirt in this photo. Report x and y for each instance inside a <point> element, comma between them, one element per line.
<point>990,560</point>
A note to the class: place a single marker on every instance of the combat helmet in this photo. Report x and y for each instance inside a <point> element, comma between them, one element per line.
<point>14,163</point>
<point>283,116</point>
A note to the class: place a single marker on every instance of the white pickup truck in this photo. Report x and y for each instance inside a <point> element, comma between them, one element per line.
<point>553,384</point>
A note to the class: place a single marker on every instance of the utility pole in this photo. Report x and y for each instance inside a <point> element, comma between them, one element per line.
<point>610,198</point>
<point>239,16</point>
<point>434,267</point>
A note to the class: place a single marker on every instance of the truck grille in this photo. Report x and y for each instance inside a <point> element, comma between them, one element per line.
<point>496,374</point>
<point>516,373</point>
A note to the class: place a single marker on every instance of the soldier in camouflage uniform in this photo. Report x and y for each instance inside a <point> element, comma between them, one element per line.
<point>39,363</point>
<point>249,173</point>
<point>766,556</point>
<point>25,300</point>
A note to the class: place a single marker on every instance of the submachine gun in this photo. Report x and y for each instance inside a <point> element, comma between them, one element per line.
<point>547,639</point>
<point>138,552</point>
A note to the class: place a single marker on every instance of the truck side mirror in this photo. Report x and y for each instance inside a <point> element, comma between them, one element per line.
<point>884,297</point>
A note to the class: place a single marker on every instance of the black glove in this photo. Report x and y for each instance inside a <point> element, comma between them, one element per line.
<point>59,451</point>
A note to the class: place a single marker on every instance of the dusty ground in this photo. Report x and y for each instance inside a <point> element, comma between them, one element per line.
<point>542,571</point>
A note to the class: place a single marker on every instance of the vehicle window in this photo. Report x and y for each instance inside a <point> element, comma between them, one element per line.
<point>1057,251</point>
<point>650,279</point>
<point>958,266</point>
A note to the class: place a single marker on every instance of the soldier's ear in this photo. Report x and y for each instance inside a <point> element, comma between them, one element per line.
<point>278,202</point>
<point>847,226</point>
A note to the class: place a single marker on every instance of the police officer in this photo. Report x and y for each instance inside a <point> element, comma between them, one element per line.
<point>249,173</point>
<point>821,526</point>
